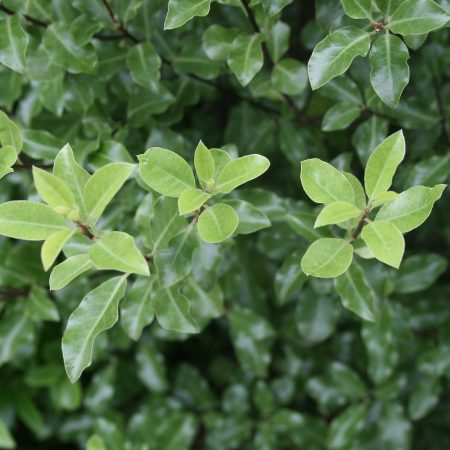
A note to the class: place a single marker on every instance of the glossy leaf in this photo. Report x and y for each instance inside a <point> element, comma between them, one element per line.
<point>13,43</point>
<point>217,223</point>
<point>8,157</point>
<point>204,162</point>
<point>53,245</point>
<point>72,267</point>
<point>358,9</point>
<point>191,199</point>
<point>340,117</point>
<point>144,64</point>
<point>290,77</point>
<point>337,212</point>
<point>10,133</point>
<point>181,11</point>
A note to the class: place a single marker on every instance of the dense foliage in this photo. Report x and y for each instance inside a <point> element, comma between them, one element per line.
<point>224,224</point>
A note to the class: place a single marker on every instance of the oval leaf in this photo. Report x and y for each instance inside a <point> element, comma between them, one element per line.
<point>217,223</point>
<point>191,199</point>
<point>337,212</point>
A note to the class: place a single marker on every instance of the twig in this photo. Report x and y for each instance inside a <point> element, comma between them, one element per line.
<point>118,24</point>
<point>30,19</point>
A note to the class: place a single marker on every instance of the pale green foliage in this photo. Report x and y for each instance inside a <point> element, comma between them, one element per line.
<point>68,270</point>
<point>191,200</point>
<point>217,223</point>
<point>8,157</point>
<point>336,212</point>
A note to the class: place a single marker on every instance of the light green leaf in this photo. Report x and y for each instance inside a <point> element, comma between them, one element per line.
<point>8,156</point>
<point>246,57</point>
<point>217,223</point>
<point>290,76</point>
<point>204,163</point>
<point>144,64</point>
<point>251,219</point>
<point>340,116</point>
<point>424,397</point>
<point>383,163</point>
<point>273,7</point>
<point>360,195</point>
<point>165,172</point>
<point>383,198</point>
<point>221,159</point>
<point>55,193</point>
<point>10,133</point>
<point>345,426</point>
<point>356,295</point>
<point>53,246</point>
<point>217,40</point>
<point>40,307</point>
<point>6,439</point>
<point>29,221</point>
<point>136,311</point>
<point>414,17</point>
<point>411,208</point>
<point>73,175</point>
<point>387,7</point>
<point>103,185</point>
<point>191,199</point>
<point>97,312</point>
<point>240,171</point>
<point>172,310</point>
<point>64,51</point>
<point>358,9</point>
<point>385,241</point>
<point>13,43</point>
<point>64,273</point>
<point>389,70</point>
<point>323,183</point>
<point>95,442</point>
<point>337,212</point>
<point>333,55</point>
<point>181,11</point>
<point>327,258</point>
<point>118,251</point>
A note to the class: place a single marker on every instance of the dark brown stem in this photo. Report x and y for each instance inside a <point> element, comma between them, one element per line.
<point>85,230</point>
<point>360,225</point>
<point>119,25</point>
<point>30,166</point>
<point>30,19</point>
<point>8,294</point>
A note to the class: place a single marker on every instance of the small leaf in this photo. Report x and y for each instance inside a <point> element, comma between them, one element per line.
<point>274,7</point>
<point>181,11</point>
<point>53,246</point>
<point>333,55</point>
<point>345,426</point>
<point>337,212</point>
<point>217,223</point>
<point>13,43</point>
<point>40,307</point>
<point>360,195</point>
<point>97,312</point>
<point>385,241</point>
<point>204,163</point>
<point>383,163</point>
<point>240,171</point>
<point>191,199</point>
<point>6,439</point>
<point>327,258</point>
<point>172,310</point>
<point>290,77</point>
<point>356,295</point>
<point>325,184</point>
<point>103,185</point>
<point>340,116</point>
<point>414,17</point>
<point>424,397</point>
<point>387,7</point>
<point>289,279</point>
<point>389,70</point>
<point>8,156</point>
<point>384,198</point>
<point>217,40</point>
<point>246,57</point>
<point>118,251</point>
<point>29,221</point>
<point>358,9</point>
<point>251,219</point>
<point>95,442</point>
<point>64,273</point>
<point>165,172</point>
<point>10,133</point>
<point>144,64</point>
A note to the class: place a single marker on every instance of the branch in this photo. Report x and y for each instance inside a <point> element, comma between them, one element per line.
<point>30,19</point>
<point>118,24</point>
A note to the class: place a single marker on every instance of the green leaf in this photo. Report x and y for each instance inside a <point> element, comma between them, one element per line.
<point>290,76</point>
<point>102,186</point>
<point>327,258</point>
<point>10,133</point>
<point>356,295</point>
<point>240,171</point>
<point>29,221</point>
<point>172,310</point>
<point>73,175</point>
<point>246,57</point>
<point>251,219</point>
<point>97,312</point>
<point>191,199</point>
<point>6,439</point>
<point>151,368</point>
<point>360,195</point>
<point>136,311</point>
<point>277,40</point>
<point>333,55</point>
<point>325,184</point>
<point>383,198</point>
<point>204,163</point>
<point>383,163</point>
<point>145,102</point>
<point>289,279</point>
<point>424,397</point>
<point>358,9</point>
<point>217,223</point>
<point>40,307</point>
<point>13,43</point>
<point>340,116</point>
<point>8,156</point>
<point>165,172</point>
<point>53,246</point>
<point>385,241</point>
<point>144,64</point>
<point>95,442</point>
<point>414,17</point>
<point>337,212</point>
<point>55,193</point>
<point>389,70</point>
<point>344,427</point>
<point>387,7</point>
<point>64,51</point>
<point>118,251</point>
<point>181,11</point>
<point>217,40</point>
<point>64,273</point>
<point>368,135</point>
<point>412,207</point>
